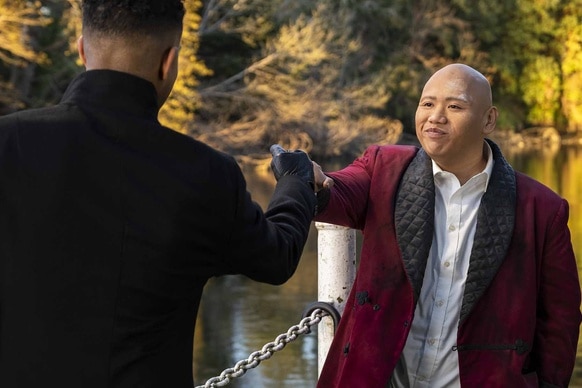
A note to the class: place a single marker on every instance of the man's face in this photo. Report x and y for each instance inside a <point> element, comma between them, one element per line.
<point>451,118</point>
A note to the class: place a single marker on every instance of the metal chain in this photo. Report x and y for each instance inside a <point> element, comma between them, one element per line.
<point>267,351</point>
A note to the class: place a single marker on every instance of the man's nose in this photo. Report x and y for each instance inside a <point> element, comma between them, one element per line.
<point>437,116</point>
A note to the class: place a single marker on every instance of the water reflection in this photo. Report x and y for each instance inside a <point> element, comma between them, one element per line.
<point>239,316</point>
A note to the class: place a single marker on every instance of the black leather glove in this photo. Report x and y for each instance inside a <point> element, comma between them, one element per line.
<point>291,163</point>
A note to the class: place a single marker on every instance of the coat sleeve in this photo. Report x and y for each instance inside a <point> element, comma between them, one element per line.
<point>558,317</point>
<point>266,246</point>
<point>347,201</point>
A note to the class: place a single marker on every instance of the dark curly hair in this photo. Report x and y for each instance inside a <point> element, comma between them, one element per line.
<point>132,17</point>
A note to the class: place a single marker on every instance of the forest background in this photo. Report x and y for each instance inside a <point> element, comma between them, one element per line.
<point>327,76</point>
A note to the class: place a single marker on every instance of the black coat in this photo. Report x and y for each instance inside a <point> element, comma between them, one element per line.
<point>110,225</point>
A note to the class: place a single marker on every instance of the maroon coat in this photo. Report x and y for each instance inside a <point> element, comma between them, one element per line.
<point>520,313</point>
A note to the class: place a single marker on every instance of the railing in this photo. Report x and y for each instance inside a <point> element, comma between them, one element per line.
<point>336,269</point>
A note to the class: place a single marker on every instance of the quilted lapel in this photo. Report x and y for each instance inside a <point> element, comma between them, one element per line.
<point>495,222</point>
<point>414,217</point>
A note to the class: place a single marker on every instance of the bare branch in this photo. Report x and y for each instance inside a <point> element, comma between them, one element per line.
<point>239,76</point>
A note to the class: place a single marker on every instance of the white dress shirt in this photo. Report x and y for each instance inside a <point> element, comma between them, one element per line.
<point>427,359</point>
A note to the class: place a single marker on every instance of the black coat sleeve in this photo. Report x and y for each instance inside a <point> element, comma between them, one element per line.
<point>266,246</point>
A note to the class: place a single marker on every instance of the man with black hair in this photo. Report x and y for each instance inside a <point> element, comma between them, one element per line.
<point>111,224</point>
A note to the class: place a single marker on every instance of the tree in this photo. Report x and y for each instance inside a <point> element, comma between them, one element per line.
<point>178,112</point>
<point>329,76</point>
<point>17,47</point>
<point>73,27</point>
<point>325,75</point>
<point>569,38</point>
<point>534,53</point>
<point>310,87</point>
<point>58,41</point>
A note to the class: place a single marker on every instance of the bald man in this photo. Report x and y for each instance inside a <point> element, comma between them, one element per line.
<point>111,224</point>
<point>467,276</point>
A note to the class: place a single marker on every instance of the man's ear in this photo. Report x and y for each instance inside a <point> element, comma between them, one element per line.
<point>81,49</point>
<point>490,120</point>
<point>168,59</point>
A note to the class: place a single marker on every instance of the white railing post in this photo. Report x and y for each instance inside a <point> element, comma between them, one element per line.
<point>336,247</point>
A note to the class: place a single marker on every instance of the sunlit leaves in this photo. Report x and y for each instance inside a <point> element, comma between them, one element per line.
<point>73,26</point>
<point>541,90</point>
<point>306,71</point>
<point>16,18</point>
<point>570,35</point>
<point>312,87</point>
<point>178,112</point>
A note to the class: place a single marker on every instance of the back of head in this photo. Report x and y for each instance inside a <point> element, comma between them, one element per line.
<point>138,37</point>
<point>131,18</point>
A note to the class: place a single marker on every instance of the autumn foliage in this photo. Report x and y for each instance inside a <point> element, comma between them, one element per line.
<point>326,76</point>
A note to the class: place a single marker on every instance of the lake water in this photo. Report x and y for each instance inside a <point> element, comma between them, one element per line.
<point>239,316</point>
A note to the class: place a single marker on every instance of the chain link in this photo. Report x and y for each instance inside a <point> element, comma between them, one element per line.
<point>267,351</point>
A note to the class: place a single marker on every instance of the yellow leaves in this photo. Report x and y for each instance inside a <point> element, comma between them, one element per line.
<point>541,90</point>
<point>572,100</point>
<point>309,90</point>
<point>306,91</point>
<point>312,40</point>
<point>178,112</point>
<point>571,63</point>
<point>16,19</point>
<point>299,43</point>
<point>73,27</point>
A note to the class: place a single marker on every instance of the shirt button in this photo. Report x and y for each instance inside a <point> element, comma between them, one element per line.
<point>440,303</point>
<point>431,341</point>
<point>447,264</point>
<point>452,227</point>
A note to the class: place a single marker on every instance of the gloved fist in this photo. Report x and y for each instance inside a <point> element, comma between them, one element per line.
<point>291,163</point>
